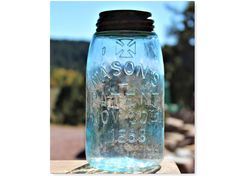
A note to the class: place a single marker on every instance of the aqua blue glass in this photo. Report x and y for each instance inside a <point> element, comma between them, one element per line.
<point>125,101</point>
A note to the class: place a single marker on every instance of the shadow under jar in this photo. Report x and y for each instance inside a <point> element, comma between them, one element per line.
<point>125,94</point>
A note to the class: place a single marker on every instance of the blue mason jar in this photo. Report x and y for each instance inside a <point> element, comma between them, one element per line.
<point>125,94</point>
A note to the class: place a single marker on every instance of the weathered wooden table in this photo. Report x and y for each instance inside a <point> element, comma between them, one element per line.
<point>82,167</point>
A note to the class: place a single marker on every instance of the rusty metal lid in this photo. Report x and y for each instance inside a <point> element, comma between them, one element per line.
<point>124,20</point>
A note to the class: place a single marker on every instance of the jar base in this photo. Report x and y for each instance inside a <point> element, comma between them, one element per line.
<point>125,164</point>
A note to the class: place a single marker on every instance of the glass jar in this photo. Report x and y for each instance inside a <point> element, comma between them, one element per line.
<point>124,94</point>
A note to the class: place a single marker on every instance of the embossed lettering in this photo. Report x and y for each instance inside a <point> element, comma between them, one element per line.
<point>104,116</point>
<point>117,67</point>
<point>121,137</point>
<point>113,135</point>
<point>144,116</point>
<point>131,116</point>
<point>154,98</point>
<point>141,70</point>
<point>103,50</point>
<point>103,101</point>
<point>144,98</point>
<point>125,48</point>
<point>96,78</point>
<point>142,137</point>
<point>129,68</point>
<point>105,74</point>
<point>115,115</point>
<point>155,79</point>
<point>131,137</point>
<point>129,101</point>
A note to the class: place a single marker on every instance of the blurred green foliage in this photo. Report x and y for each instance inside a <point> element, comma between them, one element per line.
<point>62,77</point>
<point>68,106</point>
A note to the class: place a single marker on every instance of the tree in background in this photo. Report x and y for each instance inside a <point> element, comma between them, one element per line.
<point>68,64</point>
<point>179,59</point>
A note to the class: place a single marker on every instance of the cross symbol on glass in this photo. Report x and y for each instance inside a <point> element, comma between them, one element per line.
<point>125,48</point>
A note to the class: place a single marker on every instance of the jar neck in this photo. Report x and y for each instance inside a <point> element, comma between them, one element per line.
<point>124,33</point>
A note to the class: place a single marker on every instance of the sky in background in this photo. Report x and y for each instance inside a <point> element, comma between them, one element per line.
<point>77,20</point>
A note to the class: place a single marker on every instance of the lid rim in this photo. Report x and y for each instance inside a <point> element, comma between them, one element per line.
<point>124,20</point>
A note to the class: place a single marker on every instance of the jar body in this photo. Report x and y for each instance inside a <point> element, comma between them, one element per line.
<point>124,101</point>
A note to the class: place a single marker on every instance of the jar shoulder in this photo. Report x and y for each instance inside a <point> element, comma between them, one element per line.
<point>124,48</point>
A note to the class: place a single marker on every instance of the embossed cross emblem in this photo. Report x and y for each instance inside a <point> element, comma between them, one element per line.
<point>125,48</point>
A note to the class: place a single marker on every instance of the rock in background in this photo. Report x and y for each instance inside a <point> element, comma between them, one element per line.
<point>180,140</point>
